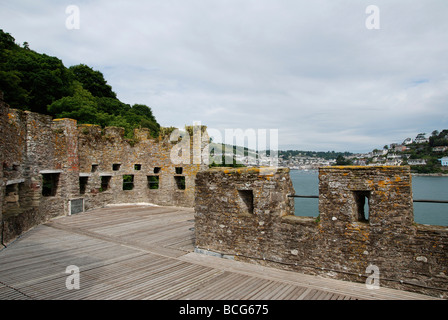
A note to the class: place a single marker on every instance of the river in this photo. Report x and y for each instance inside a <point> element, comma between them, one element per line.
<point>423,187</point>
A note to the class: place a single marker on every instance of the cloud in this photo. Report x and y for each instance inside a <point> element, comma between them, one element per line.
<point>308,68</point>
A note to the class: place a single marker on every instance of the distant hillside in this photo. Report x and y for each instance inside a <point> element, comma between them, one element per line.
<point>429,150</point>
<point>422,153</point>
<point>40,83</point>
<point>327,155</point>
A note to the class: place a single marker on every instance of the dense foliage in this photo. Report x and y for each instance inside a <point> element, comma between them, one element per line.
<point>40,83</point>
<point>439,139</point>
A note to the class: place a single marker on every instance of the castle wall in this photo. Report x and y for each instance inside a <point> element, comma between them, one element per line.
<point>106,153</point>
<point>341,243</point>
<point>53,168</point>
<point>34,148</point>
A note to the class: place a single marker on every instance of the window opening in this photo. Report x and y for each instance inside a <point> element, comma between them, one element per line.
<point>83,184</point>
<point>180,182</point>
<point>362,205</point>
<point>128,182</point>
<point>153,182</point>
<point>105,182</point>
<point>49,184</point>
<point>247,200</point>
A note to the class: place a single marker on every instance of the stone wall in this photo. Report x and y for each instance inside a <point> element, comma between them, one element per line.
<point>106,153</point>
<point>366,218</point>
<point>32,147</point>
<point>56,167</point>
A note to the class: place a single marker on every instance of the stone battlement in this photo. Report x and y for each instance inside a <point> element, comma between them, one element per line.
<point>366,218</point>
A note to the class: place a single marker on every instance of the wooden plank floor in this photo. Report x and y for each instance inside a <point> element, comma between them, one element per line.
<point>146,252</point>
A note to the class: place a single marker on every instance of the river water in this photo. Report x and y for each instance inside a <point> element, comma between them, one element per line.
<point>423,187</point>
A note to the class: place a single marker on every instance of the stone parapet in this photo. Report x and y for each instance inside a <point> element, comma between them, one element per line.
<point>365,223</point>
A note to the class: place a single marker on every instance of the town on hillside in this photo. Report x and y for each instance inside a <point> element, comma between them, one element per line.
<point>424,154</point>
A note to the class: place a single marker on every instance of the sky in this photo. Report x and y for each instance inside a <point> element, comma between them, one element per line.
<point>326,74</point>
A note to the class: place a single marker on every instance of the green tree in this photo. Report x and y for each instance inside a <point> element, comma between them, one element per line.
<point>92,81</point>
<point>6,40</point>
<point>80,106</point>
<point>40,83</point>
<point>341,161</point>
<point>29,80</point>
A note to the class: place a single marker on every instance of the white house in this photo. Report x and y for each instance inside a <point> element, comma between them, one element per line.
<point>444,161</point>
<point>416,162</point>
<point>440,149</point>
<point>421,138</point>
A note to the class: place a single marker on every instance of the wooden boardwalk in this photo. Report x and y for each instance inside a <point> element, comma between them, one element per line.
<point>141,252</point>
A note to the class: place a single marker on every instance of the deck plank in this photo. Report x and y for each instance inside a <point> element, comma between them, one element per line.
<point>146,252</point>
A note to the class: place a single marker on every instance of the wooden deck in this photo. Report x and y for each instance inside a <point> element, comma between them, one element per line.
<point>146,252</point>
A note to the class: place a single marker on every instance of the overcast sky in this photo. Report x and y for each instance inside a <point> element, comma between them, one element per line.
<point>311,69</point>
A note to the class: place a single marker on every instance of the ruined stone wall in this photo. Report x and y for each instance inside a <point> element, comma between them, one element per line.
<point>341,243</point>
<point>106,153</point>
<point>238,210</point>
<point>33,145</point>
<point>55,167</point>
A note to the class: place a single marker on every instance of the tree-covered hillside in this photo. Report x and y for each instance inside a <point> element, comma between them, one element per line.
<point>40,83</point>
<point>327,155</point>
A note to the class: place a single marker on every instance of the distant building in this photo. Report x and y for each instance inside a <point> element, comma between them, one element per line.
<point>393,162</point>
<point>444,161</point>
<point>399,148</point>
<point>393,156</point>
<point>421,138</point>
<point>379,153</point>
<point>416,162</point>
<point>440,149</point>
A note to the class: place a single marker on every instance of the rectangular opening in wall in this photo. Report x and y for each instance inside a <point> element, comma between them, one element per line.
<point>246,201</point>
<point>137,167</point>
<point>116,166</point>
<point>361,210</point>
<point>157,170</point>
<point>15,198</point>
<point>94,167</point>
<point>180,182</point>
<point>49,184</point>
<point>128,182</point>
<point>179,170</point>
<point>83,184</point>
<point>153,182</point>
<point>11,198</point>
<point>11,189</point>
<point>105,183</point>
